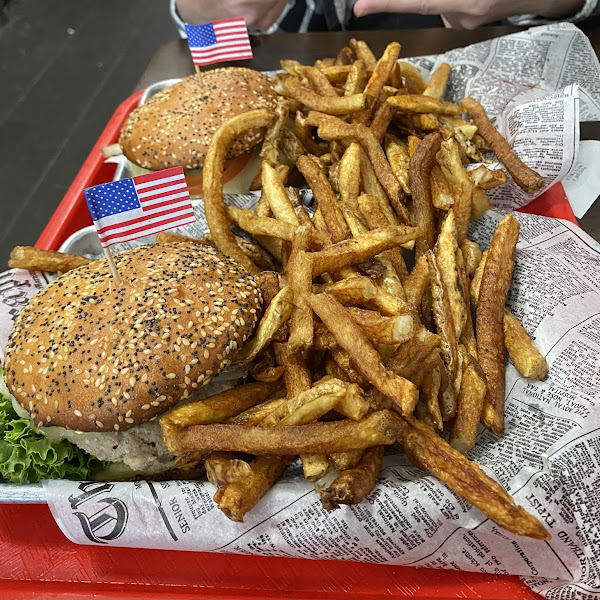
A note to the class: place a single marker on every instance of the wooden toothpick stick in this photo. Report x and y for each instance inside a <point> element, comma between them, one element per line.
<point>113,267</point>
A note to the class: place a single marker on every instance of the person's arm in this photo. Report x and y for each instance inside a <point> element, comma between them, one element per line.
<point>469,14</point>
<point>259,14</point>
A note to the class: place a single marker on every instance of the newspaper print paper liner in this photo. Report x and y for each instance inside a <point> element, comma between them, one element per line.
<point>549,458</point>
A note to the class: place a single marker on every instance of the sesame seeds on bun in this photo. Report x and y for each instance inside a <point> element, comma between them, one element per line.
<point>175,127</point>
<point>91,355</point>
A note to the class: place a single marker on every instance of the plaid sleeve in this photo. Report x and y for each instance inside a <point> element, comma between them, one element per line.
<point>590,8</point>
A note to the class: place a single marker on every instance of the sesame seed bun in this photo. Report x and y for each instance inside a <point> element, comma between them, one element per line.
<point>91,355</point>
<point>175,127</point>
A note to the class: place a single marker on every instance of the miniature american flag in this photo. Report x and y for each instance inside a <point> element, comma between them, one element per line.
<point>226,39</point>
<point>133,208</point>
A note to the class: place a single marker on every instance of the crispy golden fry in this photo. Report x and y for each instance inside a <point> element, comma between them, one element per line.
<point>441,192</point>
<point>332,128</point>
<point>345,364</point>
<point>310,411</point>
<point>467,337</point>
<point>437,82</point>
<point>319,81</point>
<point>430,392</point>
<point>443,316</point>
<point>238,497</point>
<point>253,416</point>
<point>382,119</point>
<point>522,350</point>
<point>276,314</point>
<point>445,254</point>
<point>353,404</point>
<point>35,259</point>
<point>219,407</point>
<point>495,283</point>
<point>297,376</point>
<point>299,277</point>
<point>356,250</point>
<point>398,157</point>
<point>364,53</point>
<point>382,329</point>
<point>487,179</point>
<point>415,103</point>
<point>345,460</point>
<point>374,87</point>
<point>212,181</point>
<point>247,220</point>
<point>472,255</point>
<point>304,134</point>
<point>293,67</point>
<point>527,179</point>
<point>373,188</point>
<point>423,414</point>
<point>270,146</point>
<point>278,199</point>
<point>463,429</point>
<point>349,292</point>
<point>349,176</point>
<point>315,466</point>
<point>481,203</point>
<point>417,282</point>
<point>323,338</point>
<point>353,485</point>
<point>431,452</point>
<point>338,105</point>
<point>379,428</point>
<point>345,56</point>
<point>371,211</point>
<point>462,186</point>
<point>260,257</point>
<point>410,356</point>
<point>476,281</point>
<point>338,74</point>
<point>356,80</point>
<point>225,467</point>
<point>409,71</point>
<point>421,163</point>
<point>170,237</point>
<point>326,199</point>
<point>365,357</point>
<point>267,373</point>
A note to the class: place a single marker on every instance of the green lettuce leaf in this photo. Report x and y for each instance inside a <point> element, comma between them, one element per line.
<point>27,455</point>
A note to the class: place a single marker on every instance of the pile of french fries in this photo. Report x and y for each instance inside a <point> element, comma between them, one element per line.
<point>368,337</point>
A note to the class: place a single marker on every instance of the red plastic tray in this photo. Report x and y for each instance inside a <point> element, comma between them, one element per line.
<point>39,562</point>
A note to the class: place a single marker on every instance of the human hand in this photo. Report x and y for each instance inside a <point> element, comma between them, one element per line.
<point>470,14</point>
<point>259,14</point>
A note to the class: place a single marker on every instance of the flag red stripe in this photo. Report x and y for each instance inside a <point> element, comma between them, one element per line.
<point>134,230</point>
<point>221,58</point>
<point>211,53</point>
<point>232,21</point>
<point>156,191</point>
<point>145,217</point>
<point>150,231</point>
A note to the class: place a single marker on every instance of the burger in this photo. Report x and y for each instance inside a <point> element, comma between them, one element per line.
<point>95,363</point>
<point>175,127</point>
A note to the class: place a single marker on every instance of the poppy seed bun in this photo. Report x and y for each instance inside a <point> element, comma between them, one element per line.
<point>91,355</point>
<point>175,127</point>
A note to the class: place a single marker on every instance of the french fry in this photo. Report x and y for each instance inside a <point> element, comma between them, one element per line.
<point>345,364</point>
<point>304,134</point>
<point>431,452</point>
<point>319,81</point>
<point>349,176</point>
<point>487,179</point>
<point>261,226</point>
<point>409,71</point>
<point>463,429</point>
<point>270,146</point>
<point>373,188</point>
<point>297,376</point>
<point>345,56</point>
<point>415,103</point>
<point>379,428</point>
<point>398,157</point>
<point>521,349</point>
<point>467,337</point>
<point>356,250</point>
<point>267,373</point>
<point>476,281</point>
<point>35,259</point>
<point>443,316</point>
<point>278,199</point>
<point>481,204</point>
<point>472,255</point>
<point>315,466</point>
<point>212,181</point>
<point>260,257</point>
<point>430,391</point>
<point>421,163</point>
<point>349,292</point>
<point>437,82</point>
<point>381,329</point>
<point>219,407</point>
<point>527,179</point>
<point>495,283</point>
<point>353,485</point>
<point>291,146</point>
<point>374,87</point>
<point>225,467</point>
<point>441,193</point>
<point>364,53</point>
<point>326,199</point>
<point>338,105</point>
<point>299,276</point>
<point>170,237</point>
<point>345,460</point>
<point>253,416</point>
<point>356,80</point>
<point>238,497</point>
<point>276,314</point>
<point>417,281</point>
<point>410,355</point>
<point>365,357</point>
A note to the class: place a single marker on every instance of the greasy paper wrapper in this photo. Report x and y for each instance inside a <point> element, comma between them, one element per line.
<point>549,458</point>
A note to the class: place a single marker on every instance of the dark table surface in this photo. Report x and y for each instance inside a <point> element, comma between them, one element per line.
<point>173,60</point>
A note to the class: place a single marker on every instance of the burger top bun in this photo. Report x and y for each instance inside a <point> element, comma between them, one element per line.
<point>91,355</point>
<point>175,127</point>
